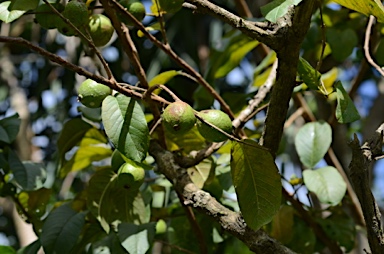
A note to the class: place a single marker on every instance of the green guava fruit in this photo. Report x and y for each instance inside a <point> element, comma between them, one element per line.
<point>92,94</point>
<point>135,7</point>
<point>178,117</point>
<point>219,119</point>
<point>171,6</point>
<point>130,176</point>
<point>77,13</point>
<point>100,29</point>
<point>46,17</point>
<point>161,227</point>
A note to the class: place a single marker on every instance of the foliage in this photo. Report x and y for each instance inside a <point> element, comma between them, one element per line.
<point>77,196</point>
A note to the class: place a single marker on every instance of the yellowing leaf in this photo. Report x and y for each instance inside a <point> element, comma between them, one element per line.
<point>366,7</point>
<point>153,27</point>
<point>329,78</point>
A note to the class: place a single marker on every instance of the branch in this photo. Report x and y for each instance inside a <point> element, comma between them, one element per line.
<point>360,166</point>
<point>232,222</point>
<point>366,45</point>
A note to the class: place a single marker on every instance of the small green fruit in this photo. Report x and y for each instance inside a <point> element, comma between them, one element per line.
<point>46,17</point>
<point>217,118</point>
<point>131,175</point>
<point>100,29</point>
<point>178,117</point>
<point>77,13</point>
<point>92,94</point>
<point>171,6</point>
<point>136,8</point>
<point>161,227</point>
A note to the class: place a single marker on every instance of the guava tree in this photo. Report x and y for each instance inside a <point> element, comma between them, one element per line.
<point>191,126</point>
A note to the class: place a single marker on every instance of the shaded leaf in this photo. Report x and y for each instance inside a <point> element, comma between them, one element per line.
<point>257,182</point>
<point>23,5</point>
<point>303,238</point>
<point>310,76</point>
<point>109,245</point>
<point>72,133</point>
<point>136,238</point>
<point>312,142</point>
<point>9,127</point>
<point>8,16</point>
<point>342,42</point>
<point>277,9</point>
<point>61,230</point>
<point>366,7</point>
<point>187,142</point>
<point>7,250</point>
<point>346,111</point>
<point>126,127</point>
<point>282,224</point>
<point>327,183</point>
<point>32,248</point>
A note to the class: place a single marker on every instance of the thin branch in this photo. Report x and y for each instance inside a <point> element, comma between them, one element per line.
<point>366,45</point>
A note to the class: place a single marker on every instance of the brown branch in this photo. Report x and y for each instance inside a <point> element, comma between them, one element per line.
<point>360,166</point>
<point>366,45</point>
<point>232,222</point>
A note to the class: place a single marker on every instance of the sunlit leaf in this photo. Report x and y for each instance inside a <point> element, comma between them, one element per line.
<point>8,16</point>
<point>276,9</point>
<point>346,111</point>
<point>61,230</point>
<point>366,7</point>
<point>200,173</point>
<point>312,142</point>
<point>327,183</point>
<point>310,76</point>
<point>329,79</point>
<point>125,125</point>
<point>192,140</point>
<point>257,182</point>
<point>163,78</point>
<point>136,238</point>
<point>154,27</point>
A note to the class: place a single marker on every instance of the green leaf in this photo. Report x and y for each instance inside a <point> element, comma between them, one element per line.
<point>23,5</point>
<point>276,9</point>
<point>32,248</point>
<point>9,127</point>
<point>18,169</point>
<point>92,148</point>
<point>35,175</point>
<point>72,133</point>
<point>61,230</point>
<point>327,183</point>
<point>346,111</point>
<point>93,114</point>
<point>125,125</point>
<point>136,238</point>
<point>109,245</point>
<point>163,77</point>
<point>342,42</point>
<point>303,238</point>
<point>308,74</point>
<point>282,224</point>
<point>257,182</point>
<point>199,174</point>
<point>111,202</point>
<point>9,16</point>
<point>231,56</point>
<point>312,142</point>
<point>35,201</point>
<point>187,142</point>
<point>7,250</point>
<point>366,7</point>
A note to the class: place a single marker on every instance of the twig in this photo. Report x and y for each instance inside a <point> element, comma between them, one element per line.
<point>176,247</point>
<point>366,45</point>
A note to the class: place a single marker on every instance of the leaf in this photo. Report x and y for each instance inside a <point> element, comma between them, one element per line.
<point>310,76</point>
<point>257,182</point>
<point>277,9</point>
<point>109,245</point>
<point>36,201</point>
<point>17,168</point>
<point>23,5</point>
<point>125,125</point>
<point>154,27</point>
<point>163,78</point>
<point>312,142</point>
<point>9,127</point>
<point>92,148</point>
<point>32,248</point>
<point>329,79</point>
<point>327,183</point>
<point>199,174</point>
<point>282,224</point>
<point>35,175</point>
<point>136,238</point>
<point>7,250</point>
<point>61,230</point>
<point>72,133</point>
<point>9,16</point>
<point>187,142</point>
<point>342,42</point>
<point>346,111</point>
<point>366,7</point>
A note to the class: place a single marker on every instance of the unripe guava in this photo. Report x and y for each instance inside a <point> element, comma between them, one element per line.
<point>161,227</point>
<point>217,118</point>
<point>46,17</point>
<point>92,94</point>
<point>131,176</point>
<point>100,29</point>
<point>178,117</point>
<point>77,12</point>
<point>171,6</point>
<point>136,8</point>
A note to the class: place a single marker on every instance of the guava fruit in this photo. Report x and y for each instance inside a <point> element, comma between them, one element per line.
<point>219,119</point>
<point>92,94</point>
<point>161,227</point>
<point>77,12</point>
<point>100,29</point>
<point>131,176</point>
<point>178,117</point>
<point>46,17</point>
<point>171,6</point>
<point>135,7</point>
